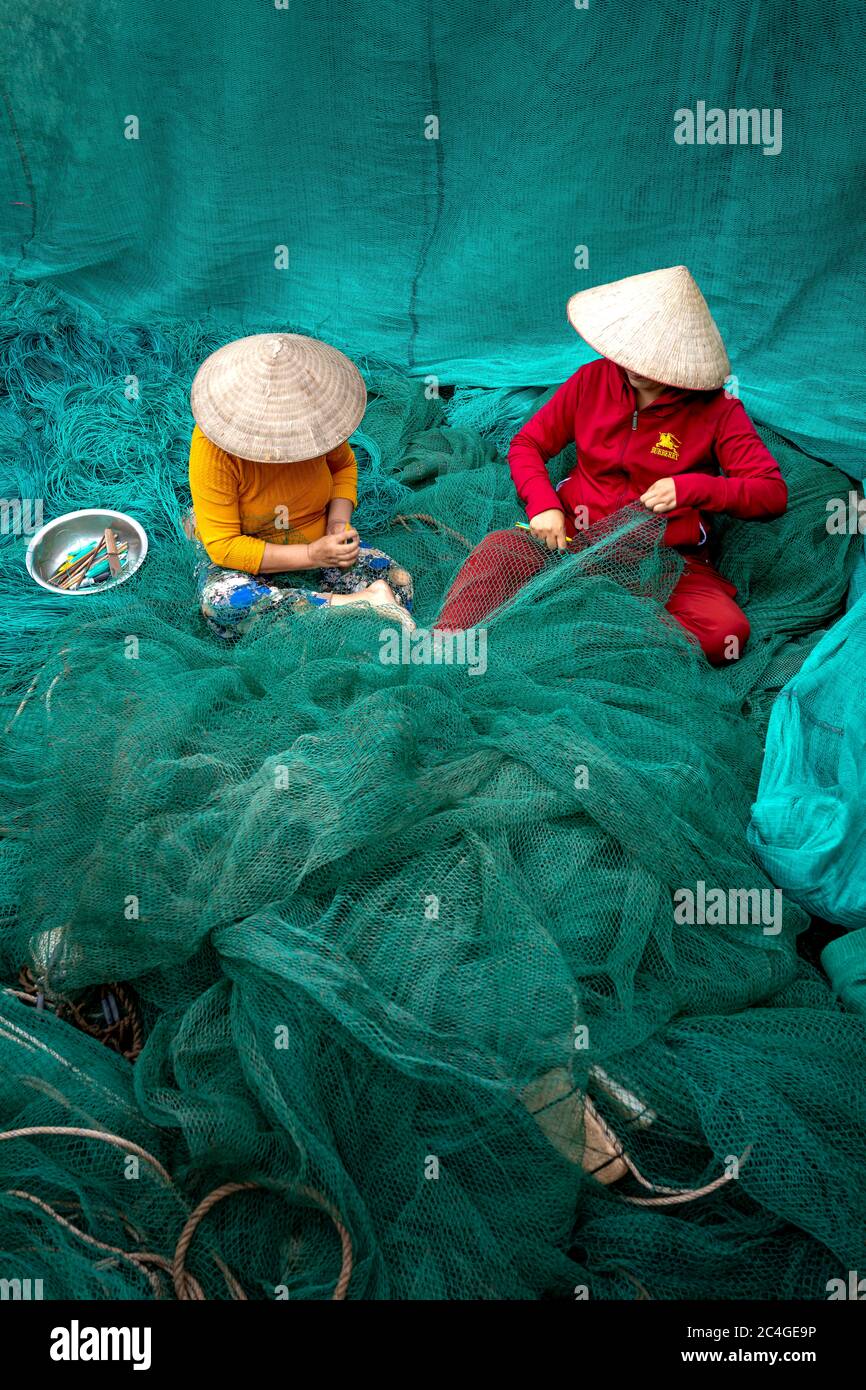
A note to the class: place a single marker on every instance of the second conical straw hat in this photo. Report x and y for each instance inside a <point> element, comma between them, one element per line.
<point>657,325</point>
<point>278,397</point>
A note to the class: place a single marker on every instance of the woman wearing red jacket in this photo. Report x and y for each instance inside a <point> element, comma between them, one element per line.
<point>651,424</point>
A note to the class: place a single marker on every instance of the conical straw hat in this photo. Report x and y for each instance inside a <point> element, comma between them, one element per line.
<point>278,398</point>
<point>656,325</point>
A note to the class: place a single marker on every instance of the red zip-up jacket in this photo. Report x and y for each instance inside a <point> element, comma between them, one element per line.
<point>704,440</point>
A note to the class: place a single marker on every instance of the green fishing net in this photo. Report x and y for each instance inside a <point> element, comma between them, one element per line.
<point>382,926</point>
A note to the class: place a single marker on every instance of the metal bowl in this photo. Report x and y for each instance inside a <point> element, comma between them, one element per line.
<point>54,541</point>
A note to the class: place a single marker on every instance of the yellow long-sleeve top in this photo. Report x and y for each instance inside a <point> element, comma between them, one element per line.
<point>241,506</point>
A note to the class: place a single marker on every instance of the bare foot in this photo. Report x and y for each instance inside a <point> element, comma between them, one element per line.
<point>378,595</point>
<point>375,593</point>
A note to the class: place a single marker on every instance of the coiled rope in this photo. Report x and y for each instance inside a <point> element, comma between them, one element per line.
<point>185,1285</point>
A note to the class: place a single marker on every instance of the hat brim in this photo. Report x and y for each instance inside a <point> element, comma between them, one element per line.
<point>257,407</point>
<point>656,325</point>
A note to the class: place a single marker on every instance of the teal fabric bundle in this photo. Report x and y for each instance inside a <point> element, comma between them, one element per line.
<point>808,823</point>
<point>857,588</point>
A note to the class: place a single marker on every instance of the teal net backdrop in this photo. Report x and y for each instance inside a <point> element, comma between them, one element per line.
<point>302,136</point>
<point>372,934</point>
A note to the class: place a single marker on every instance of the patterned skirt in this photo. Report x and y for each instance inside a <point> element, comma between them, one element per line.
<point>231,600</point>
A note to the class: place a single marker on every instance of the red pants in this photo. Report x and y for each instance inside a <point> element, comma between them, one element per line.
<point>702,601</point>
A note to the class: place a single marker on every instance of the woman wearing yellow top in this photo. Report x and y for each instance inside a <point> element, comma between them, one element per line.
<point>274,484</point>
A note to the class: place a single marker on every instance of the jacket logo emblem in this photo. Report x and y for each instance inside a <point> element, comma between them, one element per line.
<point>668,446</point>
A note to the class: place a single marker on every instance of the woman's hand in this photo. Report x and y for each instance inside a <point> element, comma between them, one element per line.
<point>549,527</point>
<point>662,496</point>
<point>338,548</point>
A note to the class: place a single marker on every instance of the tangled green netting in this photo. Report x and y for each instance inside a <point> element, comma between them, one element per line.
<point>364,906</point>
